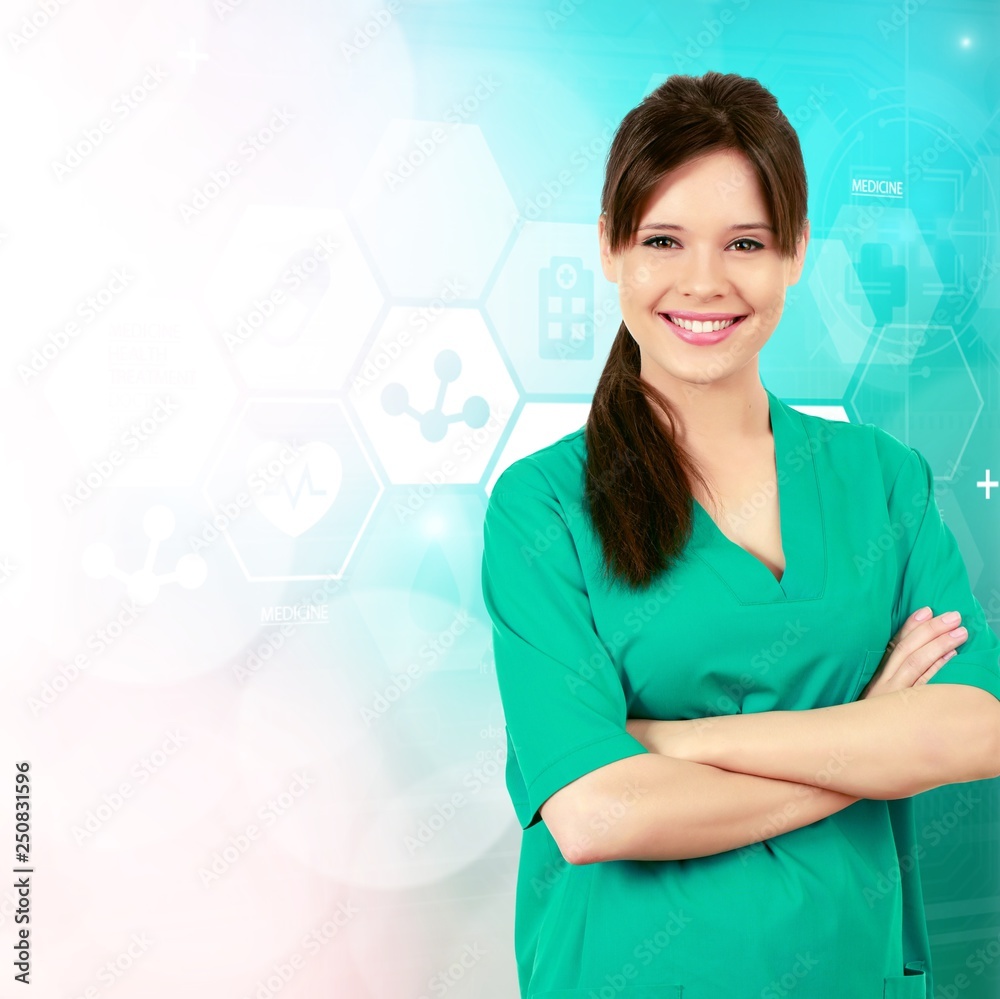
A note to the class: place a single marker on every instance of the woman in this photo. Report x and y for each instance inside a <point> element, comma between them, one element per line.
<point>732,640</point>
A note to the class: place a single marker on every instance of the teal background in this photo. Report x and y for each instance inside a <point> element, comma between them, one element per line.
<point>283,121</point>
<point>896,315</point>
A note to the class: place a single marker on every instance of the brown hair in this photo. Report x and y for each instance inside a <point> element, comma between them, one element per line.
<point>638,476</point>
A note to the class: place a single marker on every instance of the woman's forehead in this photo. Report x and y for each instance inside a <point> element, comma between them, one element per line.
<point>717,189</point>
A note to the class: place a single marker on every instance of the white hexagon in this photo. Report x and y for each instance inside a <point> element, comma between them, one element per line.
<point>915,380</point>
<point>554,310</point>
<point>836,413</point>
<point>292,489</point>
<point>831,275</point>
<point>866,226</point>
<point>538,425</point>
<point>435,402</point>
<point>434,208</point>
<point>142,395</point>
<point>292,297</point>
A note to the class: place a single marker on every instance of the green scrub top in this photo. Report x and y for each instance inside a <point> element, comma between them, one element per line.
<point>831,909</point>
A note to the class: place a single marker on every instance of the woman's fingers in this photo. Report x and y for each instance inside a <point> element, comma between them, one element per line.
<point>942,639</point>
<point>927,674</point>
<point>917,617</point>
<point>918,645</point>
<point>917,651</point>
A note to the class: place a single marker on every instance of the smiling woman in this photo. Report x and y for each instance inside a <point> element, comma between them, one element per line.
<point>702,234</point>
<point>705,280</point>
<point>718,704</point>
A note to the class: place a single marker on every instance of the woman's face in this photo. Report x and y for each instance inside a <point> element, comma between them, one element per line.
<point>703,248</point>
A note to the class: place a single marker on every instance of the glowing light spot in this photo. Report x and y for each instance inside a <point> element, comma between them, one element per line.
<point>435,527</point>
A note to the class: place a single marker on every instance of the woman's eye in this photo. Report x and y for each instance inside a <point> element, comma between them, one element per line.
<point>753,242</point>
<point>657,240</point>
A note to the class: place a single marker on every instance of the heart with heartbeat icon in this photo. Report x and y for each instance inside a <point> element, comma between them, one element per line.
<point>295,494</point>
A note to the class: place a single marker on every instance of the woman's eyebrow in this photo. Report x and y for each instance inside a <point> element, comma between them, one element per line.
<point>680,228</point>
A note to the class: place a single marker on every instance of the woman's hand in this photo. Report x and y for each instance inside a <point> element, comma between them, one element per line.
<point>917,651</point>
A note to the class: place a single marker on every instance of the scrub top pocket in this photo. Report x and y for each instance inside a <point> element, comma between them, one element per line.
<point>872,658</point>
<point>912,984</point>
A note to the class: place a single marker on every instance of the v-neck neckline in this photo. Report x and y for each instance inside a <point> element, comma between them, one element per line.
<point>800,522</point>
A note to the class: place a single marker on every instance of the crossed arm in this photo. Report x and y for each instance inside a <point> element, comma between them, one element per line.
<point>714,784</point>
<point>892,746</point>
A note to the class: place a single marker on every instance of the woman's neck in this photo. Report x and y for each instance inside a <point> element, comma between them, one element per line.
<point>714,417</point>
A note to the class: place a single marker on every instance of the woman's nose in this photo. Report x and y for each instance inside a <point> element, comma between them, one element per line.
<point>701,273</point>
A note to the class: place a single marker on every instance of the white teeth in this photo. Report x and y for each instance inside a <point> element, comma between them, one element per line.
<point>698,327</point>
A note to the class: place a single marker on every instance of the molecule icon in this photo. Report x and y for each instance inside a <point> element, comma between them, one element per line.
<point>143,585</point>
<point>434,423</point>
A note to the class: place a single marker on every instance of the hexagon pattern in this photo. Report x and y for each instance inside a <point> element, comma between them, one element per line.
<point>433,207</point>
<point>291,469</point>
<point>292,298</point>
<point>438,387</point>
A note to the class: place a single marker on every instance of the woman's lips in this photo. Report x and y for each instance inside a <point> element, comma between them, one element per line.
<point>702,339</point>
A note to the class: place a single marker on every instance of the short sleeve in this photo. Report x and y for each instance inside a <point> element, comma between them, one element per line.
<point>933,573</point>
<point>562,697</point>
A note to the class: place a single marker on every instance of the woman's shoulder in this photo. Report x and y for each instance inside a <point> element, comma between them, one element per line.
<point>555,468</point>
<point>859,447</point>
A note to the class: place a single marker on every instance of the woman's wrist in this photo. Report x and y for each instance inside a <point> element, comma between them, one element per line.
<point>703,740</point>
<point>691,739</point>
